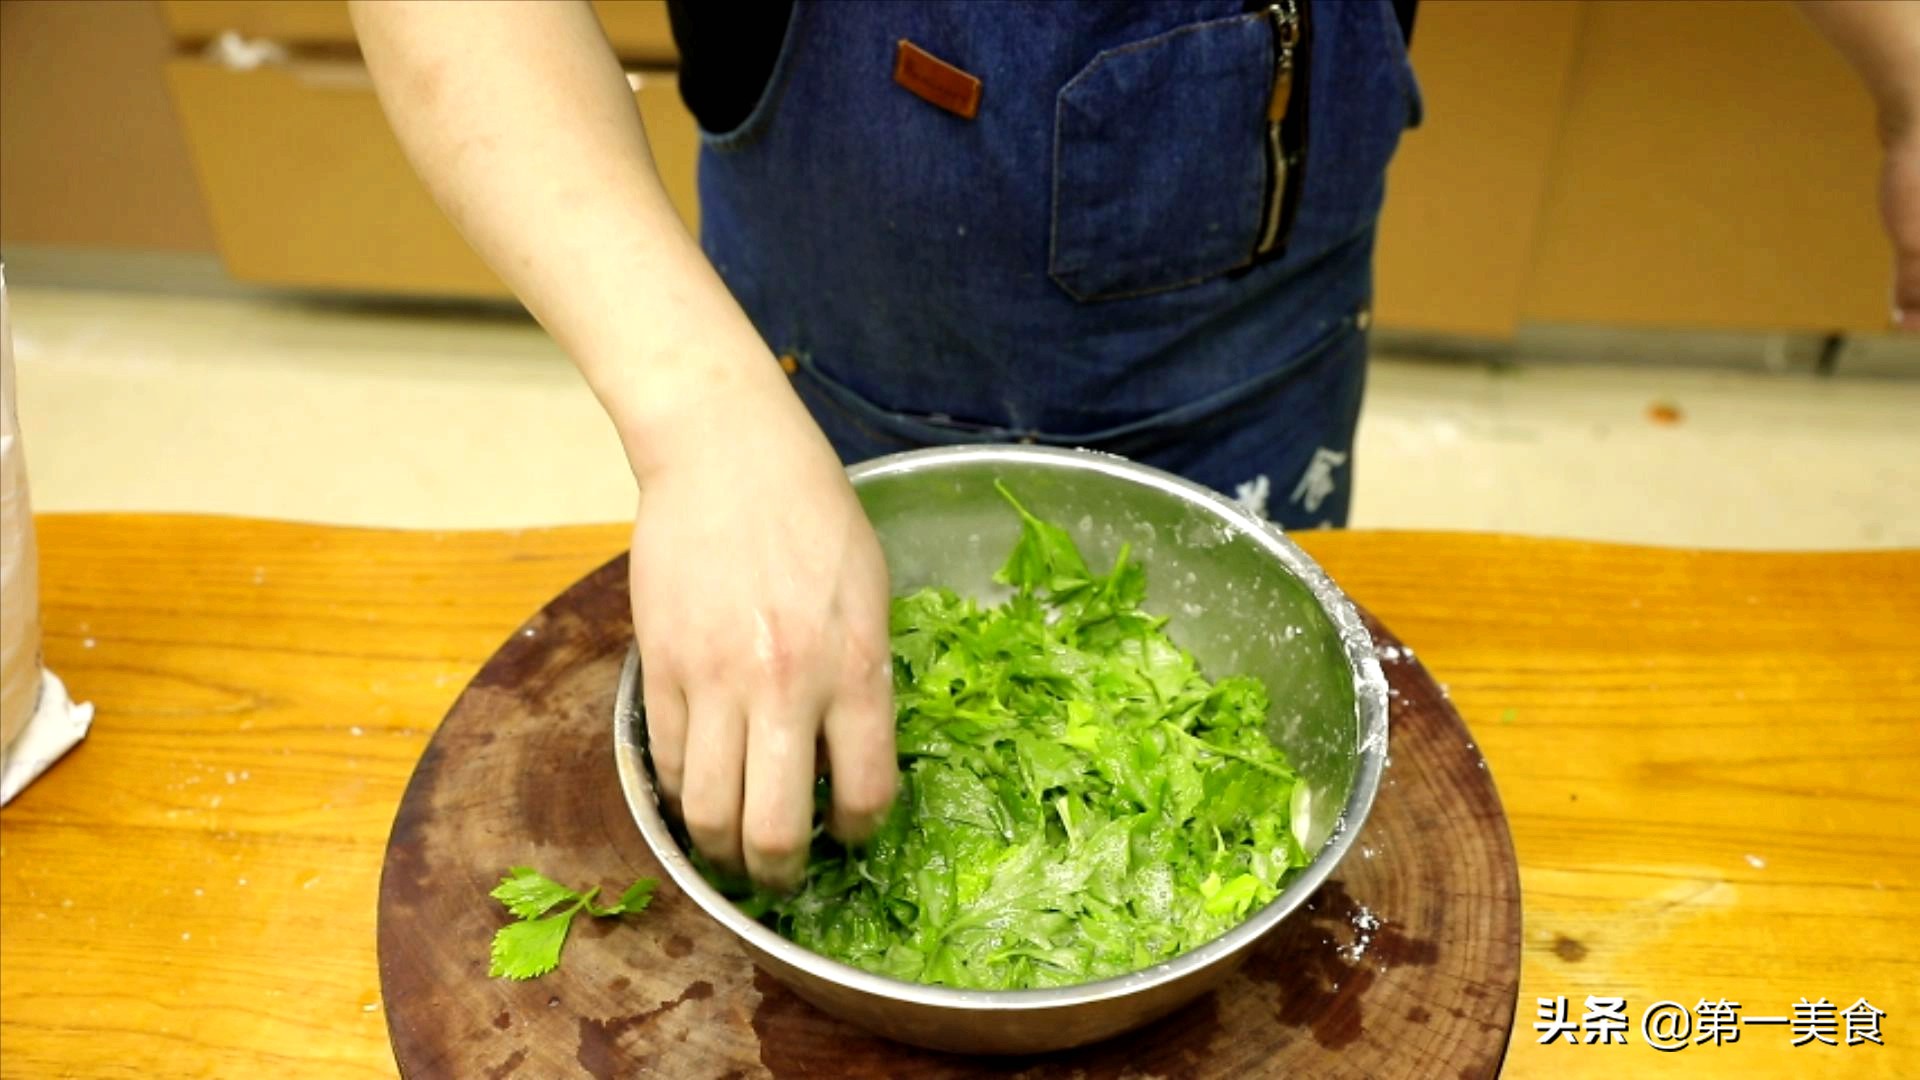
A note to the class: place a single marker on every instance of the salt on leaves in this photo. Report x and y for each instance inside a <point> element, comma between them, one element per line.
<point>1077,800</point>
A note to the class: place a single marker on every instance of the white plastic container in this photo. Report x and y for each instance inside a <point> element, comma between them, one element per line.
<point>20,680</point>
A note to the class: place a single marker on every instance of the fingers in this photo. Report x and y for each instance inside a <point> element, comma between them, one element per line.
<point>666,712</point>
<point>1906,290</point>
<point>710,800</point>
<point>859,729</point>
<point>783,645</point>
<point>778,821</point>
<point>1900,213</point>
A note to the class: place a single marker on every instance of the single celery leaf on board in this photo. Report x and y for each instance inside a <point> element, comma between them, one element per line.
<point>528,893</point>
<point>531,948</point>
<point>633,901</point>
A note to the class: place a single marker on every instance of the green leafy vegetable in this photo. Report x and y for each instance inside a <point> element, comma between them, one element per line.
<point>529,894</point>
<point>633,901</point>
<point>1077,800</point>
<point>1045,555</point>
<point>531,947</point>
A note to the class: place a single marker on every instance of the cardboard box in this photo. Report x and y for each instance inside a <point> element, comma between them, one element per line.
<point>307,186</point>
<point>638,29</point>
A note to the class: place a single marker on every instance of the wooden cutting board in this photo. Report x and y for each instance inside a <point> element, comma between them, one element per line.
<point>1405,964</point>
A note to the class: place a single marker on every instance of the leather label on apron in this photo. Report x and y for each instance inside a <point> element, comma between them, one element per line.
<point>934,80</point>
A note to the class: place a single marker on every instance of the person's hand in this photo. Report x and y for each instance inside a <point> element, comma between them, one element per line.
<point>760,603</point>
<point>1900,212</point>
<point>759,592</point>
<point>1882,43</point>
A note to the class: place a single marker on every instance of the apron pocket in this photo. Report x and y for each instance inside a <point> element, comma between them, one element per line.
<point>838,406</point>
<point>1159,160</point>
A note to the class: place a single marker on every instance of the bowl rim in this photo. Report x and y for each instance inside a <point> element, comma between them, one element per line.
<point>1370,706</point>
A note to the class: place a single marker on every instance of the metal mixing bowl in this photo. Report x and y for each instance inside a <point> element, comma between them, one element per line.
<point>1243,599</point>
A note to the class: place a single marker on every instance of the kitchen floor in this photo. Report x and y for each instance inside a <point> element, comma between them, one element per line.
<point>426,417</point>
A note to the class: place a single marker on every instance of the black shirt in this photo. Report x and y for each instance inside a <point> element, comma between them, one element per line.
<point>727,53</point>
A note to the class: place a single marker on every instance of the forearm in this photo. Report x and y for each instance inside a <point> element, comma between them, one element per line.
<point>1881,40</point>
<point>521,123</point>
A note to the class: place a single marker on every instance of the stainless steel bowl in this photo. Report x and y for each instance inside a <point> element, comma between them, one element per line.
<point>1243,599</point>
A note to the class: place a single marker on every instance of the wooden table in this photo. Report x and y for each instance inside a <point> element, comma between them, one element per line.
<point>1711,762</point>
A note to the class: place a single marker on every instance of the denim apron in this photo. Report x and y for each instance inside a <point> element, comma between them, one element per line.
<point>1075,264</point>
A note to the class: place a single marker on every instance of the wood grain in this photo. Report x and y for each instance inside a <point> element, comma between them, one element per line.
<point>1652,718</point>
<point>161,921</point>
<point>1404,965</point>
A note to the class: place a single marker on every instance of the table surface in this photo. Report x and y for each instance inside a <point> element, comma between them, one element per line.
<point>1711,762</point>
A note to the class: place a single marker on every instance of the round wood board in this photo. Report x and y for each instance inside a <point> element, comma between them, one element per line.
<point>1405,964</point>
